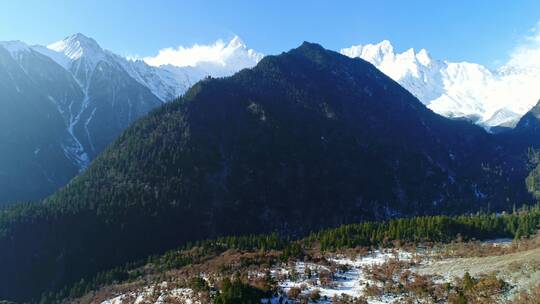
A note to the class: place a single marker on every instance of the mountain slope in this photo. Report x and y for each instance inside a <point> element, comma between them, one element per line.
<point>530,122</point>
<point>112,98</point>
<point>33,137</point>
<point>58,115</point>
<point>91,95</point>
<point>527,134</point>
<point>458,89</point>
<point>306,139</point>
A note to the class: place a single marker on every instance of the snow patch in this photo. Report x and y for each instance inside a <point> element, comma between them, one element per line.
<point>155,295</point>
<point>351,282</point>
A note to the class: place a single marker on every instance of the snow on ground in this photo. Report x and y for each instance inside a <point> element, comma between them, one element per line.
<point>350,278</point>
<point>156,295</point>
<point>335,276</point>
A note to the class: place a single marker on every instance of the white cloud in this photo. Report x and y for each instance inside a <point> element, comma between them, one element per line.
<point>527,54</point>
<point>219,53</point>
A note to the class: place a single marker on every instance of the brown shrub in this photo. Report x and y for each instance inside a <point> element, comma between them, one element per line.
<point>293,293</point>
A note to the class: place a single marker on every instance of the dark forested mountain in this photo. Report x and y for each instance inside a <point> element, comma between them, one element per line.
<point>526,135</point>
<point>529,124</point>
<point>306,139</point>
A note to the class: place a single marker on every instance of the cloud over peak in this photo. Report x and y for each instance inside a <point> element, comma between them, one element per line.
<point>527,54</point>
<point>235,52</point>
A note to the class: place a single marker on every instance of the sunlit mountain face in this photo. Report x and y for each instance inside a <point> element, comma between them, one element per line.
<point>65,102</point>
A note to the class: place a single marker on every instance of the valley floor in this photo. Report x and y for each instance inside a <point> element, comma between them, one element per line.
<point>520,269</point>
<point>499,270</point>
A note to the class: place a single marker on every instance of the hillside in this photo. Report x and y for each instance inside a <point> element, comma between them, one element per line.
<point>306,135</point>
<point>32,131</point>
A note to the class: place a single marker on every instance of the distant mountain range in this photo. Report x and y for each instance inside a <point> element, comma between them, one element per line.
<point>458,89</point>
<point>61,105</point>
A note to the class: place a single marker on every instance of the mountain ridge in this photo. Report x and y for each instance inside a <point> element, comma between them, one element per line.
<point>457,89</point>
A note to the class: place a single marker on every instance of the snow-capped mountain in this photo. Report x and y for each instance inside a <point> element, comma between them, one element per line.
<point>168,81</point>
<point>76,98</point>
<point>458,89</point>
<point>131,88</point>
<point>111,97</point>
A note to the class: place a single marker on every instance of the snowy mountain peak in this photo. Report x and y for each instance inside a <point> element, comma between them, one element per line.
<point>458,89</point>
<point>409,53</point>
<point>76,46</point>
<point>423,57</point>
<point>374,53</point>
<point>218,59</point>
<point>236,56</point>
<point>236,42</point>
<point>384,48</point>
<point>383,53</point>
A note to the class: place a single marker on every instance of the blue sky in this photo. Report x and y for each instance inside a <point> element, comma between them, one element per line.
<point>479,31</point>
